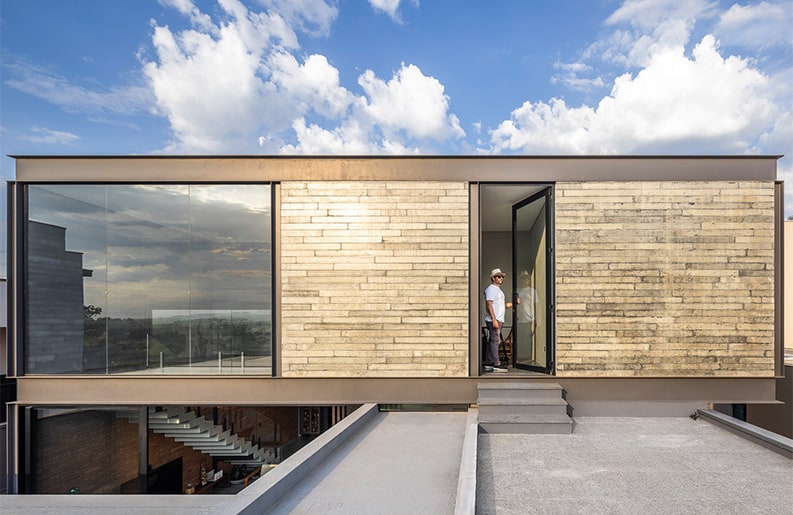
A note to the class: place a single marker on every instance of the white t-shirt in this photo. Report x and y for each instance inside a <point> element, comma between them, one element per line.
<point>495,294</point>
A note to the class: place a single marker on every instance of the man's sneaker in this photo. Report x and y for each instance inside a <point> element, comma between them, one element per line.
<point>488,368</point>
<point>500,368</point>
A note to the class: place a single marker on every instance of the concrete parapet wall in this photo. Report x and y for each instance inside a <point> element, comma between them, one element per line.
<point>665,279</point>
<point>374,279</point>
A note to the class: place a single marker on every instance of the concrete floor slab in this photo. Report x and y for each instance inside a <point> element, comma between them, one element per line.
<point>109,504</point>
<point>632,465</point>
<point>401,462</point>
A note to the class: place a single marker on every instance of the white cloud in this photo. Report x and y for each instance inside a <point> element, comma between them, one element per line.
<point>411,102</point>
<point>391,119</point>
<point>676,104</point>
<point>208,88</point>
<point>570,76</point>
<point>219,87</point>
<point>58,90</point>
<point>258,30</point>
<point>572,67</point>
<point>651,26</point>
<point>187,8</point>
<point>311,16</point>
<point>390,7</point>
<point>352,137</point>
<point>49,136</point>
<point>314,83</point>
<point>256,94</point>
<point>757,26</point>
<point>647,14</point>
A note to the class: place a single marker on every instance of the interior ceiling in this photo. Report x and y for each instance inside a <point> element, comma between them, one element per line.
<point>496,201</point>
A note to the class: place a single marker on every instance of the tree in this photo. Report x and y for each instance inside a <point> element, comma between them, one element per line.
<point>91,312</point>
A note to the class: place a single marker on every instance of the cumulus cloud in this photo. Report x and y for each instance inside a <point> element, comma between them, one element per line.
<point>645,26</point>
<point>665,98</point>
<point>391,118</point>
<point>315,83</point>
<point>187,8</point>
<point>411,102</point>
<point>704,103</point>
<point>351,137</point>
<point>208,88</point>
<point>221,85</point>
<point>757,26</point>
<point>257,93</point>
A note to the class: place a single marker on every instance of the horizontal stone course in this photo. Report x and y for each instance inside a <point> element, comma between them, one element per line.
<point>375,279</point>
<point>684,268</point>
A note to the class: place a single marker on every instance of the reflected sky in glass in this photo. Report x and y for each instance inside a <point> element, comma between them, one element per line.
<point>156,246</point>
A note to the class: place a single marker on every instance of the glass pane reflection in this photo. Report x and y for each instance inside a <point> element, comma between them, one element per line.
<point>155,278</point>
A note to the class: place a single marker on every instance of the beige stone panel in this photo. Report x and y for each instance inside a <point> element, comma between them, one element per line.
<point>380,210</point>
<point>685,246</point>
<point>374,236</point>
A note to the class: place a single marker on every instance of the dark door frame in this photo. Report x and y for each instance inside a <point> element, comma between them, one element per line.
<point>550,274</point>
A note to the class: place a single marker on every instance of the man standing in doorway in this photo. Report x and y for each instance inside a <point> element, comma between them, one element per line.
<point>494,320</point>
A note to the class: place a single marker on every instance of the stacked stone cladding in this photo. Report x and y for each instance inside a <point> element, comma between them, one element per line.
<point>665,279</point>
<point>374,279</point>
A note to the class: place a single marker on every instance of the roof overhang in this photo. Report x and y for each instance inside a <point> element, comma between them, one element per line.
<point>407,168</point>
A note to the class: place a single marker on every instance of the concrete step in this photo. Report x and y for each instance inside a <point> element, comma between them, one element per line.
<point>507,390</point>
<point>525,424</point>
<point>523,406</point>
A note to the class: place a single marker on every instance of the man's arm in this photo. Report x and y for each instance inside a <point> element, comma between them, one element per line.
<point>492,314</point>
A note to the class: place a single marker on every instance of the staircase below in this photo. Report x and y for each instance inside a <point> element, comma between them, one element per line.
<point>202,435</point>
<point>523,408</point>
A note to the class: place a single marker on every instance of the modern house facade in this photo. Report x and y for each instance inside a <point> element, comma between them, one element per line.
<point>139,283</point>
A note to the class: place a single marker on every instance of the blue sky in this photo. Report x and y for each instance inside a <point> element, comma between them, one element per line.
<point>396,77</point>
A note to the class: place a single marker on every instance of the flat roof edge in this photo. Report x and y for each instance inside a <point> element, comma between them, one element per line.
<point>512,168</point>
<point>392,157</point>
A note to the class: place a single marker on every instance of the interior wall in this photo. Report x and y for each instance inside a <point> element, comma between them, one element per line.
<point>89,450</point>
<point>496,253</point>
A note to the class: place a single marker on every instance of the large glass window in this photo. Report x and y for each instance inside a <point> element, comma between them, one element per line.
<point>148,279</point>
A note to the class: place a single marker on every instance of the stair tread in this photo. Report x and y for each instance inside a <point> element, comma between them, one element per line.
<point>502,401</point>
<point>520,418</point>
<point>519,386</point>
<point>201,434</point>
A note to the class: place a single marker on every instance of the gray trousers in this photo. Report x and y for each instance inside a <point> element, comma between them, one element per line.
<point>494,340</point>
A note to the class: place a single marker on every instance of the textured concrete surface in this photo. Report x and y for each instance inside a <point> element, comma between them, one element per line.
<point>109,504</point>
<point>400,463</point>
<point>408,463</point>
<point>630,466</point>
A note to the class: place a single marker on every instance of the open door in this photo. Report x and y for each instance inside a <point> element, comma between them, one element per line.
<point>532,284</point>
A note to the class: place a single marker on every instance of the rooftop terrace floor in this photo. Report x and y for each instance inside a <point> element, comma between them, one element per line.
<point>630,466</point>
<point>407,463</point>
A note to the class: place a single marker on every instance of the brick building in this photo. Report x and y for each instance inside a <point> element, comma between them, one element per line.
<point>265,283</point>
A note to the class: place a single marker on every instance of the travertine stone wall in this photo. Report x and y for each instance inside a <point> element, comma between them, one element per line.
<point>374,279</point>
<point>665,278</point>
